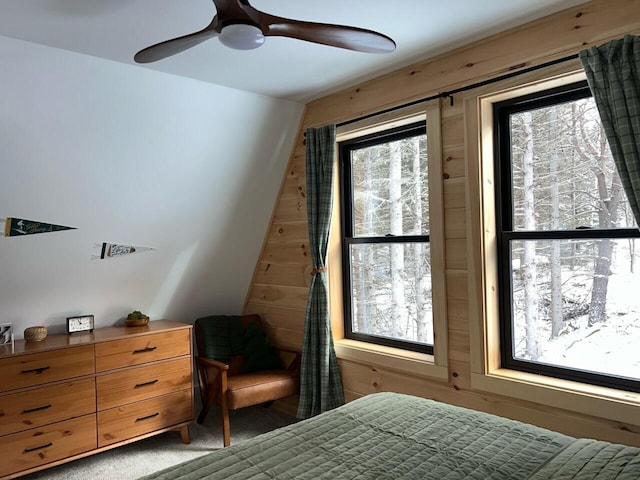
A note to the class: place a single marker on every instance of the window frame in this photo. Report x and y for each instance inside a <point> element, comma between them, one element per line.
<point>506,233</point>
<point>487,374</point>
<point>419,365</point>
<point>348,235</point>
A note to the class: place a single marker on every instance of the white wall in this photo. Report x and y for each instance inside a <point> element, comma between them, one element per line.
<point>129,155</point>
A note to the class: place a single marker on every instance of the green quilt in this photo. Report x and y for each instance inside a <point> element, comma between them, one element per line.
<point>395,436</point>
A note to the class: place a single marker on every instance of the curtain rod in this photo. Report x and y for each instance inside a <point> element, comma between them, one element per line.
<point>449,94</point>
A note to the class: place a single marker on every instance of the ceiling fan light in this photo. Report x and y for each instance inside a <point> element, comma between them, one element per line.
<point>241,36</point>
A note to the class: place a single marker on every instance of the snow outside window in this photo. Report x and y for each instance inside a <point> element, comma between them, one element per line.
<point>568,244</point>
<point>386,254</point>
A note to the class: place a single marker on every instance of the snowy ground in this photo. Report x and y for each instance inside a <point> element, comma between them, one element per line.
<point>612,347</point>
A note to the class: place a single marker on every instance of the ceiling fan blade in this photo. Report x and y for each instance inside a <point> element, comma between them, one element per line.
<point>176,45</point>
<point>351,38</point>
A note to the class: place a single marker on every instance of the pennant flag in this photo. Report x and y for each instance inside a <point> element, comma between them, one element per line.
<point>16,227</point>
<point>111,250</point>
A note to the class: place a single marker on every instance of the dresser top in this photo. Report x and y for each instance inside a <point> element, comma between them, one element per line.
<point>54,342</point>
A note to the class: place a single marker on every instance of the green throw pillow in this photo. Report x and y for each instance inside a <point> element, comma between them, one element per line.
<point>258,354</point>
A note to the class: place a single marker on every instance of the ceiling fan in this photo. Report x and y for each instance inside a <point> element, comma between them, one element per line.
<point>239,25</point>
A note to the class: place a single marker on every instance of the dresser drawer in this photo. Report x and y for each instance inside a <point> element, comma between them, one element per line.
<point>45,405</point>
<point>39,446</point>
<point>37,368</point>
<point>146,381</point>
<point>147,348</point>
<point>122,423</point>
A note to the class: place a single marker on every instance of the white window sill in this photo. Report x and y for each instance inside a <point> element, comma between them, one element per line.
<point>414,363</point>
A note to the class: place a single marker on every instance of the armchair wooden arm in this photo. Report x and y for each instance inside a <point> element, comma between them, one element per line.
<point>212,377</point>
<point>208,362</point>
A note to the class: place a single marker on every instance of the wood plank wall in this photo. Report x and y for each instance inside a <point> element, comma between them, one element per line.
<point>280,285</point>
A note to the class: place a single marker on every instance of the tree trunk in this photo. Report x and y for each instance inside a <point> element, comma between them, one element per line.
<point>557,320</point>
<point>364,320</point>
<point>422,270</point>
<point>529,273</point>
<point>598,305</point>
<point>607,217</point>
<point>398,310</point>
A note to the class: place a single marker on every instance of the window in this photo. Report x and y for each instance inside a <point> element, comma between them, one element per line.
<point>567,243</point>
<point>385,238</point>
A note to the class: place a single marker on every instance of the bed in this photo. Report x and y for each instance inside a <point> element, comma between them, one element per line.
<point>396,436</point>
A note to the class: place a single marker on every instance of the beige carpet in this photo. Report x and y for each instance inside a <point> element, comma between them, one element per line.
<point>152,454</point>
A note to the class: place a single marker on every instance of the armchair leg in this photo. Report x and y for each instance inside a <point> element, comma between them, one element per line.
<point>226,429</point>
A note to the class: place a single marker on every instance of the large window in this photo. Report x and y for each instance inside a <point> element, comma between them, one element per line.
<point>385,242</point>
<point>567,243</point>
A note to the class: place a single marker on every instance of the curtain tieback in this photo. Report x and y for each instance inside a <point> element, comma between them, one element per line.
<point>318,270</point>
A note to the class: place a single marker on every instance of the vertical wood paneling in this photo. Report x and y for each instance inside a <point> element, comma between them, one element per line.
<point>454,166</point>
<point>454,193</point>
<point>455,223</point>
<point>459,345</point>
<point>456,254</point>
<point>458,313</point>
<point>453,131</point>
<point>460,374</point>
<point>279,289</point>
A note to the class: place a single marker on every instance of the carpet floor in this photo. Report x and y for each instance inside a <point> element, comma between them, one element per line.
<point>135,460</point>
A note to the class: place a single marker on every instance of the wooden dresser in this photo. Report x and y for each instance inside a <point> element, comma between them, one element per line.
<point>70,396</point>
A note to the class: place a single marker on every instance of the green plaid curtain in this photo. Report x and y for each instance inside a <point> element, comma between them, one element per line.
<point>613,73</point>
<point>320,382</point>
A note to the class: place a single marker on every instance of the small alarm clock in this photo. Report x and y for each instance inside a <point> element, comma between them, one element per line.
<point>83,323</point>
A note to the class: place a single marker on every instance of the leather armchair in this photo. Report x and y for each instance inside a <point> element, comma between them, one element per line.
<point>237,367</point>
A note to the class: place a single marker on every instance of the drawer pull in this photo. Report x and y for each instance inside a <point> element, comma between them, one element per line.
<point>145,384</point>
<point>28,450</point>
<point>37,371</point>
<point>145,350</point>
<point>147,417</point>
<point>35,409</point>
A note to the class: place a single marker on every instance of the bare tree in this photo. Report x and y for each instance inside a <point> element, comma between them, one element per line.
<point>607,215</point>
<point>529,272</point>
<point>363,297</point>
<point>591,144</point>
<point>557,320</point>
<point>422,270</point>
<point>398,309</point>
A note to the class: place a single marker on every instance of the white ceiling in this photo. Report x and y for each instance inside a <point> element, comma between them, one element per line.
<point>283,67</point>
